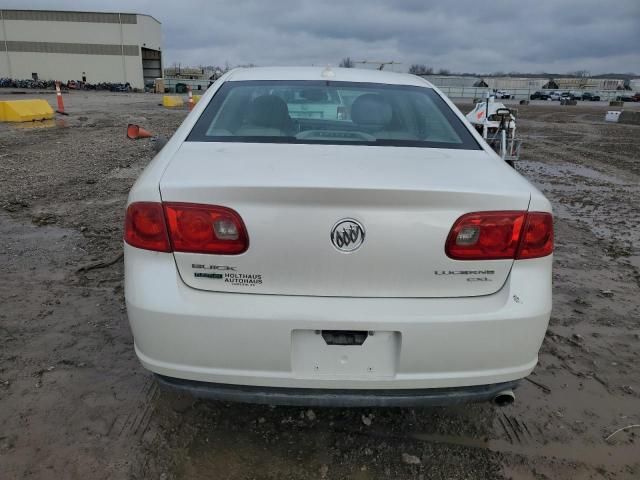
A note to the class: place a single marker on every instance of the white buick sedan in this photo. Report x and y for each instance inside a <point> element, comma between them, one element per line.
<point>341,237</point>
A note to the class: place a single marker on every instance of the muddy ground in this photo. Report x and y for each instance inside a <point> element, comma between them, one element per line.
<point>75,403</point>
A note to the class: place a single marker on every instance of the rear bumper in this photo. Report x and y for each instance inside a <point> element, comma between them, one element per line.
<point>430,397</point>
<point>247,339</point>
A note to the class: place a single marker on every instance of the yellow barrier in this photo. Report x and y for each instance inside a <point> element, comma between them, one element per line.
<point>196,98</point>
<point>172,101</point>
<point>25,110</point>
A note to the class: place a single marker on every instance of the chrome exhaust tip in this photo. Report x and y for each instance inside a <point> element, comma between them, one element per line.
<point>504,398</point>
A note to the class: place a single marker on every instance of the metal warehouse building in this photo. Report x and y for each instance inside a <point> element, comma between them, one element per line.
<point>90,46</point>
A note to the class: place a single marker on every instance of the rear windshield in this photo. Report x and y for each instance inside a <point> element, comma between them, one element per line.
<point>328,112</point>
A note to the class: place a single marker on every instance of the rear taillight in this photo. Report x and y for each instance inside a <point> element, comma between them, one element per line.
<point>501,235</point>
<point>537,236</point>
<point>145,227</point>
<point>185,227</point>
<point>196,228</point>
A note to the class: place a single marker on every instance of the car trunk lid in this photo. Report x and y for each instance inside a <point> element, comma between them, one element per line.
<point>290,197</point>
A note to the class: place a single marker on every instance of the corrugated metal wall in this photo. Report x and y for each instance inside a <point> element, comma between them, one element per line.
<point>59,16</point>
<point>75,48</point>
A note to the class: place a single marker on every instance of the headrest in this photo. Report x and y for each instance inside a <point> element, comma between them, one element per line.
<point>371,110</point>
<point>269,111</point>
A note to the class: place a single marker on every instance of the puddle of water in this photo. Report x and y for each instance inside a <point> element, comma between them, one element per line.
<point>604,203</point>
<point>572,170</point>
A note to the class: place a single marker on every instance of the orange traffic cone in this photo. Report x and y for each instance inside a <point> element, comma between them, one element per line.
<point>190,98</point>
<point>60,101</point>
<point>136,131</point>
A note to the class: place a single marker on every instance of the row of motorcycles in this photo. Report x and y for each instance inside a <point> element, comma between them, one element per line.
<point>69,85</point>
<point>41,84</point>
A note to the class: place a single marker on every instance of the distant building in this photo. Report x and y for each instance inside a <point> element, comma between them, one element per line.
<point>89,46</point>
<point>587,83</point>
<point>526,83</point>
<point>185,72</point>
<point>511,83</point>
<point>500,83</point>
<point>451,80</point>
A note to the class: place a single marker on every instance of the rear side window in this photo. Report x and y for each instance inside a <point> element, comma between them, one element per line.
<point>331,113</point>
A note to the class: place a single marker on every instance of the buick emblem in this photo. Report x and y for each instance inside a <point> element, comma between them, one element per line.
<point>347,235</point>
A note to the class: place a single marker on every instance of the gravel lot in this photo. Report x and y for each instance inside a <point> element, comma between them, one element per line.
<point>75,403</point>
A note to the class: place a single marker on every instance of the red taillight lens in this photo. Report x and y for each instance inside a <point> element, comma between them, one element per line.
<point>209,229</point>
<point>501,235</point>
<point>145,227</point>
<point>485,235</point>
<point>537,239</point>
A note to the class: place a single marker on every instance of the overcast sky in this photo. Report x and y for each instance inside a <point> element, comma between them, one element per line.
<point>462,36</point>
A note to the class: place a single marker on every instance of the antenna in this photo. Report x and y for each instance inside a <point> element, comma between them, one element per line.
<point>381,65</point>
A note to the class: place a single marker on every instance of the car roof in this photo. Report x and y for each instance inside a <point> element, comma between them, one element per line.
<point>316,73</point>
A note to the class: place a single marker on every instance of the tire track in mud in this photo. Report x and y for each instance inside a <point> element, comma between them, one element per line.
<point>136,423</point>
<point>530,446</point>
<point>586,154</point>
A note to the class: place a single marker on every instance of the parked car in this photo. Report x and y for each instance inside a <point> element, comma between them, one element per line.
<point>556,96</point>
<point>539,96</point>
<point>636,97</point>
<point>500,94</point>
<point>278,258</point>
<point>625,98</point>
<point>590,96</point>
<point>571,96</point>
